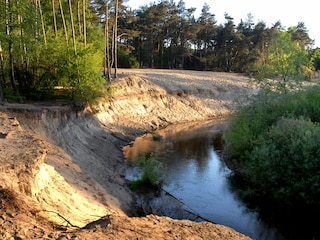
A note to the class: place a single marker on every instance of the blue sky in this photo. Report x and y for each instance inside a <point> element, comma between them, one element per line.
<point>289,13</point>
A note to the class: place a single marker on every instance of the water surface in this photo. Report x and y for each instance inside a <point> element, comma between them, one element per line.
<point>197,177</point>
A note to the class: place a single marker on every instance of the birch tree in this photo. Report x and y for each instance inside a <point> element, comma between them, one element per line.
<point>115,38</point>
<point>54,17</point>
<point>84,7</point>
<point>3,82</point>
<point>9,30</point>
<point>107,49</point>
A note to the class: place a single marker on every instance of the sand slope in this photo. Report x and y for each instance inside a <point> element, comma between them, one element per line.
<point>62,168</point>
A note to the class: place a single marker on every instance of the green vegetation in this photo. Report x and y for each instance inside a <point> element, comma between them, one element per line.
<point>274,144</point>
<point>286,63</point>
<point>153,173</point>
<point>56,49</point>
<point>75,44</point>
<point>169,36</point>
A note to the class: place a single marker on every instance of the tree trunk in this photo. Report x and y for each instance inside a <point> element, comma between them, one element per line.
<point>27,83</point>
<point>64,23</point>
<point>84,23</point>
<point>1,94</point>
<point>12,76</point>
<point>54,18</point>
<point>42,24</point>
<point>115,41</point>
<point>9,29</point>
<point>72,28</point>
<point>74,39</point>
<point>107,53</point>
<point>79,19</point>
<point>3,83</point>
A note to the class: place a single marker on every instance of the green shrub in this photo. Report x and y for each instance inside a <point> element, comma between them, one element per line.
<point>9,95</point>
<point>153,173</point>
<point>253,121</point>
<point>126,60</point>
<point>285,164</point>
<point>275,144</point>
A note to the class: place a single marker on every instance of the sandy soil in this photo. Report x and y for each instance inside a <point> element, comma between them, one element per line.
<point>62,167</point>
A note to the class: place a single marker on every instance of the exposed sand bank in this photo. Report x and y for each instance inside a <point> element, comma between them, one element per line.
<point>66,166</point>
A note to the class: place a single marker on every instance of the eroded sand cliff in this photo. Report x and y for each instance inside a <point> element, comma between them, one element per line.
<point>62,168</point>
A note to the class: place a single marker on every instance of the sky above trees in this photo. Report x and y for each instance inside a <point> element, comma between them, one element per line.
<point>288,12</point>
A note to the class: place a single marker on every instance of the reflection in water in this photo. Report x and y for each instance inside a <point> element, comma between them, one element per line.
<point>197,150</point>
<point>198,178</point>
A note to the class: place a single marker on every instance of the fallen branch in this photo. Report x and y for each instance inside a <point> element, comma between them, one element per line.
<point>66,220</point>
<point>191,211</point>
<point>88,226</point>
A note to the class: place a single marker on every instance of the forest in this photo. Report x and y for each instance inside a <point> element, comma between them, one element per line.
<point>73,48</point>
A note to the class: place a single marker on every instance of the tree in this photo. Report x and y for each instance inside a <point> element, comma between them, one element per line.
<point>315,59</point>
<point>115,38</point>
<point>9,32</point>
<point>3,74</point>
<point>286,63</point>
<point>246,45</point>
<point>299,34</point>
<point>206,34</point>
<point>2,83</point>
<point>155,34</point>
<point>1,94</point>
<point>107,49</point>
<point>186,30</point>
<point>36,56</point>
<point>229,44</point>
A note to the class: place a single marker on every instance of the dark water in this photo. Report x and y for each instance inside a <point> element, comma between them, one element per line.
<point>198,178</point>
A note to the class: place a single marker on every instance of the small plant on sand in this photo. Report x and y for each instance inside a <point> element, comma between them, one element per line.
<point>8,199</point>
<point>153,173</point>
<point>156,137</point>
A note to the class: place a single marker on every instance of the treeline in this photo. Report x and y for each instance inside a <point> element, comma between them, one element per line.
<point>74,44</point>
<point>169,36</point>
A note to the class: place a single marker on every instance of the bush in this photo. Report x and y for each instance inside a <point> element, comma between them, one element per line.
<point>9,96</point>
<point>126,60</point>
<point>284,165</point>
<point>253,121</point>
<point>153,173</point>
<point>275,144</point>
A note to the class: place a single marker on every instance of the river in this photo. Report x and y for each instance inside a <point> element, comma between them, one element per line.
<point>197,178</point>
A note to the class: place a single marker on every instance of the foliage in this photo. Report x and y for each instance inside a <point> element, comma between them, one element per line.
<point>274,144</point>
<point>87,82</point>
<point>153,173</point>
<point>42,48</point>
<point>126,60</point>
<point>284,165</point>
<point>11,97</point>
<point>171,37</point>
<point>315,59</point>
<point>286,63</point>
